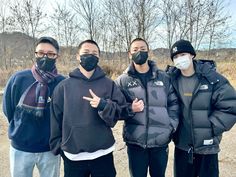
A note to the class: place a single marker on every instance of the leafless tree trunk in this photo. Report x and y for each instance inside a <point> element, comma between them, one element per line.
<point>147,17</point>
<point>196,20</point>
<point>120,24</point>
<point>88,11</point>
<point>3,61</point>
<point>66,28</point>
<point>27,15</point>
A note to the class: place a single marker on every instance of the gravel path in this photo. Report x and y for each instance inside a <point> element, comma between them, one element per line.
<point>227,157</point>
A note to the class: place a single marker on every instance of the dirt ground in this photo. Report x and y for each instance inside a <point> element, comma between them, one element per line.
<point>227,156</point>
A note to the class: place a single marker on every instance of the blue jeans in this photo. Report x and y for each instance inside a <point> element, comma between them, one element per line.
<point>22,163</point>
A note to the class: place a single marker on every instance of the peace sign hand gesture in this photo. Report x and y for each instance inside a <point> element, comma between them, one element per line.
<point>94,101</point>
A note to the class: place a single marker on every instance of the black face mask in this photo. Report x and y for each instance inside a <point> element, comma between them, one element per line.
<point>45,63</point>
<point>140,57</point>
<point>88,61</point>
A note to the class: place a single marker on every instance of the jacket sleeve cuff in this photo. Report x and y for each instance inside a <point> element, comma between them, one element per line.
<point>102,104</point>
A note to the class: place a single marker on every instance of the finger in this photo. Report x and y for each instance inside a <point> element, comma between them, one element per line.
<point>135,100</point>
<point>87,98</point>
<point>140,101</point>
<point>92,93</point>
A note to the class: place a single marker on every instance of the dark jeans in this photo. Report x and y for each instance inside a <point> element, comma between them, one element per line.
<point>202,166</point>
<point>100,167</point>
<point>140,159</point>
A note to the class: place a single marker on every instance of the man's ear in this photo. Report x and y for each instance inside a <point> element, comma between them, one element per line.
<point>129,55</point>
<point>191,56</point>
<point>78,57</point>
<point>58,57</point>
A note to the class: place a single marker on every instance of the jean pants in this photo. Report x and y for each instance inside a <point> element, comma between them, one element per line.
<point>22,163</point>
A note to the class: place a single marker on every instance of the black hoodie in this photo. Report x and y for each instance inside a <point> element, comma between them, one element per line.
<point>75,125</point>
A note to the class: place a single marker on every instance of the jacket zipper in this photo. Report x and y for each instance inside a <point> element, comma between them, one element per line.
<point>147,116</point>
<point>190,115</point>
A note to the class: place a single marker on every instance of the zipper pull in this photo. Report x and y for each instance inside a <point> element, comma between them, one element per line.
<point>190,155</point>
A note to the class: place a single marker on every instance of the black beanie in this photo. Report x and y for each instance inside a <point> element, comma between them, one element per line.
<point>182,46</point>
<point>49,40</point>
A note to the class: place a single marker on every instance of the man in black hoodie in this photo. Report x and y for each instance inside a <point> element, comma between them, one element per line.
<point>84,108</point>
<point>208,109</point>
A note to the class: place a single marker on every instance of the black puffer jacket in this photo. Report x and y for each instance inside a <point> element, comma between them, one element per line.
<point>212,110</point>
<point>152,127</point>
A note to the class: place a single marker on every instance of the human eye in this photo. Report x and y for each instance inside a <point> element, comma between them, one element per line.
<point>39,54</point>
<point>51,55</point>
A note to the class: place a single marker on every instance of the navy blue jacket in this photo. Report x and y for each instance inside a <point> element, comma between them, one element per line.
<point>27,133</point>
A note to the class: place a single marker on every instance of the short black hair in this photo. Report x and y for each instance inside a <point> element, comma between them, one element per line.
<point>138,39</point>
<point>48,40</point>
<point>90,42</point>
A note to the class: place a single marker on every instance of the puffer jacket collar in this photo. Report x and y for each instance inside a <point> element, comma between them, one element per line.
<point>131,69</point>
<point>202,69</point>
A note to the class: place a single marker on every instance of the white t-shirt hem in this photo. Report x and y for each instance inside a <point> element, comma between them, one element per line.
<point>89,155</point>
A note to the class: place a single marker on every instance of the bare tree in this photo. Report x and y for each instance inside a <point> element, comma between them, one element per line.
<point>3,22</point>
<point>217,23</point>
<point>27,15</point>
<point>171,13</point>
<point>196,20</point>
<point>65,27</point>
<point>89,13</point>
<point>121,22</point>
<point>147,17</point>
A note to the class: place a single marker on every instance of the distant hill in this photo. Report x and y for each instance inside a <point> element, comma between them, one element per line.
<point>20,48</point>
<point>16,44</point>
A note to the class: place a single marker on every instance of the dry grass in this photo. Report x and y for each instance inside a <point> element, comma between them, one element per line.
<point>114,68</point>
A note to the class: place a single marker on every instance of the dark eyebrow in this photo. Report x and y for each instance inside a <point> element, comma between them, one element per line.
<point>47,51</point>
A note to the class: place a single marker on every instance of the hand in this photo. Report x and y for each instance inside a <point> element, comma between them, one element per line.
<point>94,101</point>
<point>137,105</point>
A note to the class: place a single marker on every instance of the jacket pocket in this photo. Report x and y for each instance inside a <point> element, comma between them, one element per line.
<point>15,130</point>
<point>87,138</point>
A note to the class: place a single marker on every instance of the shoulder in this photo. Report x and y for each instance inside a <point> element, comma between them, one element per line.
<point>60,78</point>
<point>123,76</point>
<point>124,79</point>
<point>162,75</point>
<point>21,75</point>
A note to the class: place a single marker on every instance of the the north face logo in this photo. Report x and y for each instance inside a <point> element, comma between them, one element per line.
<point>159,83</point>
<point>203,87</point>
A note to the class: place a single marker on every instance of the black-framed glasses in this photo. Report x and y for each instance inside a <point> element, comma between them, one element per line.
<point>49,54</point>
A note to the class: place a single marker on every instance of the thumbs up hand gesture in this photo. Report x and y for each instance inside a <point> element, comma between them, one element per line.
<point>137,105</point>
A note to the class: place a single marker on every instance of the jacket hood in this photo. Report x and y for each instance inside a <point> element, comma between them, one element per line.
<point>98,73</point>
<point>131,70</point>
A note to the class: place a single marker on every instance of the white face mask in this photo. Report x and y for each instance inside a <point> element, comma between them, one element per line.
<point>182,62</point>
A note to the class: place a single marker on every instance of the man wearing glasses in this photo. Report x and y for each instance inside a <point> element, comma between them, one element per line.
<point>26,103</point>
